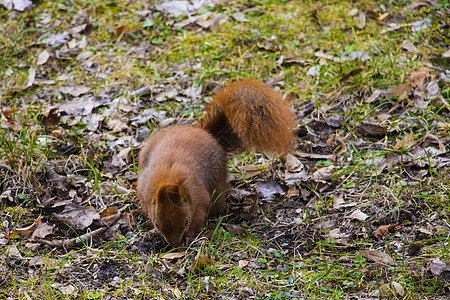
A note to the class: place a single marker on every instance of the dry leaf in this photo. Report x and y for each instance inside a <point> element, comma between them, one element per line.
<point>239,17</point>
<point>75,90</point>
<point>293,164</point>
<point>401,91</point>
<point>173,255</point>
<point>76,216</point>
<point>406,143</point>
<point>378,257</point>
<point>25,231</point>
<point>13,252</point>
<point>242,263</point>
<point>50,117</point>
<point>438,266</point>
<point>408,46</point>
<point>200,263</point>
<point>381,231</point>
<point>324,174</point>
<point>369,128</point>
<point>67,289</point>
<point>338,202</point>
<point>417,77</point>
<point>358,215</point>
<point>43,57</point>
<point>269,189</point>
<point>41,231</point>
<point>19,5</point>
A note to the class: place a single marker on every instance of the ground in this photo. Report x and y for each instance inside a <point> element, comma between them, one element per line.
<point>359,209</point>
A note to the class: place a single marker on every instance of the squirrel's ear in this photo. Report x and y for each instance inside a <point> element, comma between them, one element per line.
<point>171,190</point>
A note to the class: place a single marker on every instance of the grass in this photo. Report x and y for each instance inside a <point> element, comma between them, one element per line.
<point>287,249</point>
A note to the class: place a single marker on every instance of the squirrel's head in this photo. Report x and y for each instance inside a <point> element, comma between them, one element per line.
<point>172,214</point>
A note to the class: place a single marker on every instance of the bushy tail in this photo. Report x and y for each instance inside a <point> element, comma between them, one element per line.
<point>250,115</point>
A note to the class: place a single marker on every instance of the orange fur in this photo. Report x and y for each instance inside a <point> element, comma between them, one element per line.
<point>183,173</point>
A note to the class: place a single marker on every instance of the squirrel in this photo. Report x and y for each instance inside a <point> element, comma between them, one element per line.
<point>183,169</point>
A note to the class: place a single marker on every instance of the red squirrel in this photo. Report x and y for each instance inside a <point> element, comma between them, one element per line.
<point>183,169</point>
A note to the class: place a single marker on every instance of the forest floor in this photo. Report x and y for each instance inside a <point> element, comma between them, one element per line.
<point>360,209</point>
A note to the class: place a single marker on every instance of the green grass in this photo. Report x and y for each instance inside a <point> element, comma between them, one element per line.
<point>281,253</point>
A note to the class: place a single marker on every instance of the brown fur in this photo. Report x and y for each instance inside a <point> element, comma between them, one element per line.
<point>183,169</point>
<point>250,115</point>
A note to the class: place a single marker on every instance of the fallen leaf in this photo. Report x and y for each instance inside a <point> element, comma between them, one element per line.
<point>338,201</point>
<point>31,76</point>
<point>173,255</point>
<point>19,5</point>
<point>121,30</point>
<point>56,40</point>
<point>401,91</point>
<point>406,143</point>
<point>41,231</point>
<point>50,117</point>
<point>76,216</point>
<point>408,46</point>
<point>109,211</point>
<point>381,231</point>
<point>438,266</point>
<point>66,289</point>
<point>293,164</point>
<point>324,174</point>
<point>25,231</point>
<point>200,263</point>
<point>43,57</point>
<point>358,215</point>
<point>268,189</point>
<point>74,90</point>
<point>417,77</point>
<point>420,25</point>
<point>335,120</point>
<point>389,290</point>
<point>378,257</point>
<point>239,17</point>
<point>176,8</point>
<point>13,252</point>
<point>375,95</point>
<point>313,71</point>
<point>242,263</point>
<point>369,128</point>
<point>83,56</point>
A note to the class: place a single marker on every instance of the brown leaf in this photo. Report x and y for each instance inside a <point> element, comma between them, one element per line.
<point>41,231</point>
<point>401,91</point>
<point>74,90</point>
<point>76,216</point>
<point>406,143</point>
<point>173,255</point>
<point>50,117</point>
<point>25,231</point>
<point>9,120</point>
<point>109,211</point>
<point>378,257</point>
<point>381,231</point>
<point>324,174</point>
<point>417,77</point>
<point>368,128</point>
<point>351,74</point>
<point>121,30</point>
<point>200,263</point>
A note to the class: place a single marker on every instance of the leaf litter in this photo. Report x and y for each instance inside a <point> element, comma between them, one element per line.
<point>77,212</point>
